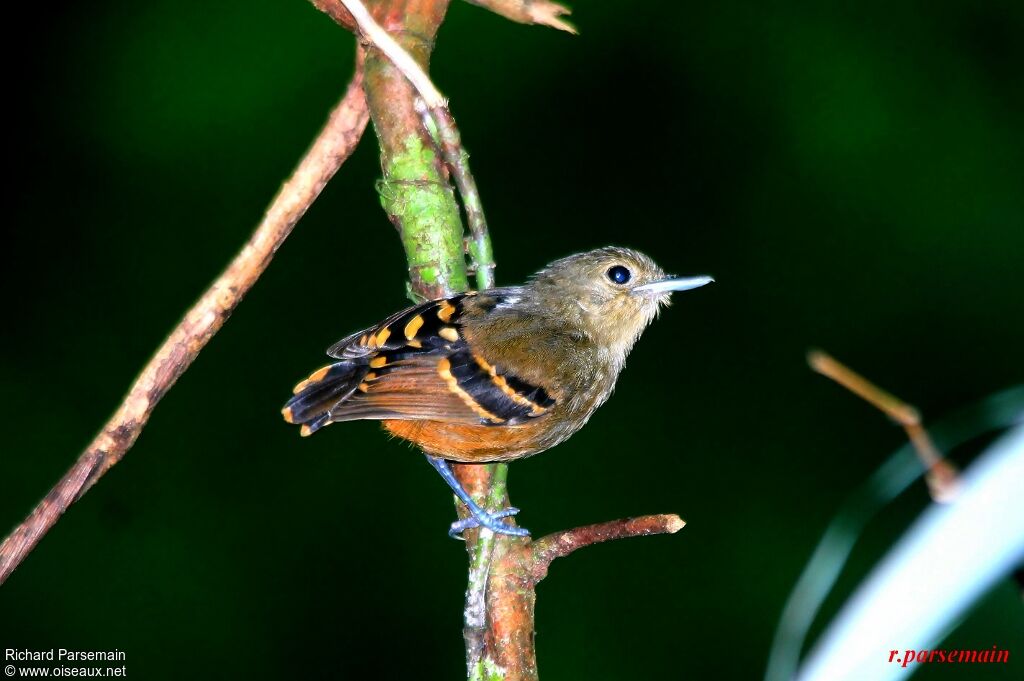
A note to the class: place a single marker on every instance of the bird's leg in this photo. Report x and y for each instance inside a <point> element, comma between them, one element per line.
<point>478,517</point>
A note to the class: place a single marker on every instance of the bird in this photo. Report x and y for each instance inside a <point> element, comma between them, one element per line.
<point>494,375</point>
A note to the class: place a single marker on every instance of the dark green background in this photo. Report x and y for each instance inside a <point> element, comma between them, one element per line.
<point>853,175</point>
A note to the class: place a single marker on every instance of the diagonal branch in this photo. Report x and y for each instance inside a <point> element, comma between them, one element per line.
<point>941,476</point>
<point>334,144</point>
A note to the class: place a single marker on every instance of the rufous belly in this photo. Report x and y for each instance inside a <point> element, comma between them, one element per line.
<point>470,443</point>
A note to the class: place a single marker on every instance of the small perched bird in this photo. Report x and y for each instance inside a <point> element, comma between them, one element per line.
<point>494,375</point>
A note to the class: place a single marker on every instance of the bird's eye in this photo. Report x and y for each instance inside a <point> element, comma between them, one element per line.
<point>619,274</point>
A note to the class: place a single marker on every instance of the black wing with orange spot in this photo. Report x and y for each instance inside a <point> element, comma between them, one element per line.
<point>422,327</point>
<point>415,365</point>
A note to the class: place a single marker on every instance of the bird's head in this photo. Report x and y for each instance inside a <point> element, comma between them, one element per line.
<point>614,292</point>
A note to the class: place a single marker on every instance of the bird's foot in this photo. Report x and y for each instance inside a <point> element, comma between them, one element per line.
<point>492,521</point>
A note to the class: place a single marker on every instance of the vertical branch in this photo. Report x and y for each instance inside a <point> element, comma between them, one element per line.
<point>487,482</point>
<point>414,191</point>
<point>479,244</point>
<point>504,570</point>
<point>420,202</point>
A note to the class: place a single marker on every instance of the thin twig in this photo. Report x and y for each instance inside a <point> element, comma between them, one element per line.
<point>518,565</point>
<point>895,408</point>
<point>530,12</point>
<point>335,10</point>
<point>826,563</point>
<point>457,158</point>
<point>942,476</point>
<point>332,146</point>
<point>561,544</point>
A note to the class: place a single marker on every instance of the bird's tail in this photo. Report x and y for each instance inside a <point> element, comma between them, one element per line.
<point>316,396</point>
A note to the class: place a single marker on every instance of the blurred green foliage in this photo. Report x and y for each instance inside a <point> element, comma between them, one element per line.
<point>852,174</point>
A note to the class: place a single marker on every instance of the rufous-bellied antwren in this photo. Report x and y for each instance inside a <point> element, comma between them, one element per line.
<point>494,375</point>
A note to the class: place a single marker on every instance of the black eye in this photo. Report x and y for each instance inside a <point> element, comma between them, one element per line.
<point>619,274</point>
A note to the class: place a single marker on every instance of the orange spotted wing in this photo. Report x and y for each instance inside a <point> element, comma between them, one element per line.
<point>415,365</point>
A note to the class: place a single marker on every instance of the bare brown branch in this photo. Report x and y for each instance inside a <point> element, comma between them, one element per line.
<point>561,544</point>
<point>334,144</point>
<point>942,477</point>
<point>895,408</point>
<point>336,10</point>
<point>517,567</point>
<point>530,12</point>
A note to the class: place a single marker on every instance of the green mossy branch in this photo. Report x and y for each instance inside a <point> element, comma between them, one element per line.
<point>478,245</point>
<point>418,198</point>
<point>421,204</point>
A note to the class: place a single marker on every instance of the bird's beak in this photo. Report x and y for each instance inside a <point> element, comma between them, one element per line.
<point>670,285</point>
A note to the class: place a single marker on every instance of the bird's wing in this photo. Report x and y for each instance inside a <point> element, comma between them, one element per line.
<point>415,365</point>
<point>408,329</point>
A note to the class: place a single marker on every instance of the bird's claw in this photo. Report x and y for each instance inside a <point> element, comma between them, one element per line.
<point>492,521</point>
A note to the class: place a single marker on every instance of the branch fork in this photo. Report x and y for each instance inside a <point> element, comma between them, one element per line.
<point>561,544</point>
